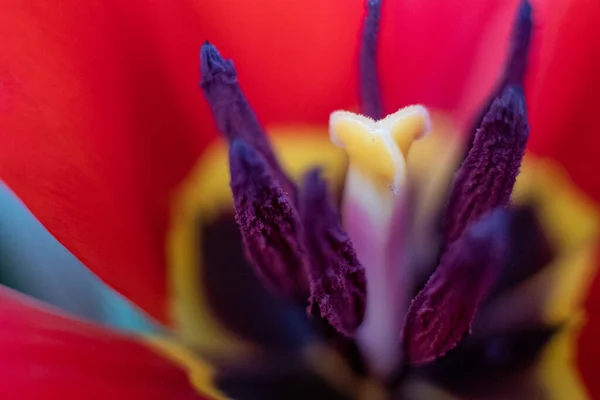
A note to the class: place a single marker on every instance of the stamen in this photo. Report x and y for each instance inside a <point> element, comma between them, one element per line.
<point>373,210</point>
<point>234,116</point>
<point>486,178</point>
<point>337,280</point>
<point>443,311</point>
<point>369,83</point>
<point>519,49</point>
<point>516,65</point>
<point>270,226</point>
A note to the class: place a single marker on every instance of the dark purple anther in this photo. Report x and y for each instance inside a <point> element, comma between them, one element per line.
<point>486,177</point>
<point>369,83</point>
<point>337,279</point>
<point>444,309</point>
<point>269,223</point>
<point>234,116</point>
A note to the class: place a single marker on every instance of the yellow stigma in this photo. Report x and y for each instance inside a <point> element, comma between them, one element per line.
<point>378,148</point>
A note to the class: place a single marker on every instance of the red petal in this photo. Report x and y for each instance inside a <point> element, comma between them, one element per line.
<point>446,54</point>
<point>47,356</point>
<point>564,101</point>
<point>296,59</point>
<point>564,86</point>
<point>98,113</point>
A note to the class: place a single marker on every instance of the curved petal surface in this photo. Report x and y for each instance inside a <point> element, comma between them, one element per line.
<point>563,96</point>
<point>45,355</point>
<point>98,125</point>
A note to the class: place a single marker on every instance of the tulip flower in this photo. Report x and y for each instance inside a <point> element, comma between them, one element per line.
<point>438,281</point>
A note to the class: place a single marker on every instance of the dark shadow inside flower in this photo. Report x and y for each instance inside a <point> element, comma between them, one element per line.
<point>481,365</point>
<point>240,299</point>
<point>530,249</point>
<point>276,379</point>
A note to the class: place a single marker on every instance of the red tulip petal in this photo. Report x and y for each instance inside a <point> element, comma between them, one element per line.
<point>563,89</point>
<point>563,94</point>
<point>297,60</point>
<point>49,356</point>
<point>445,54</point>
<point>99,123</point>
